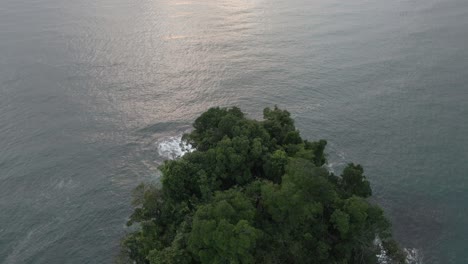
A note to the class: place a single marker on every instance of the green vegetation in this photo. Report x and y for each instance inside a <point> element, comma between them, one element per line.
<point>255,192</point>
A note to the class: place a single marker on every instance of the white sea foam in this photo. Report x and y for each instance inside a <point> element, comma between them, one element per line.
<point>412,255</point>
<point>338,161</point>
<point>173,147</point>
<point>382,257</point>
<point>330,167</point>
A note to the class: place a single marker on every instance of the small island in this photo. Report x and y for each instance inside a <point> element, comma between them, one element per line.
<point>256,192</point>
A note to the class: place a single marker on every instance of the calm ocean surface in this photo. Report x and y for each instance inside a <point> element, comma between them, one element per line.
<point>90,89</point>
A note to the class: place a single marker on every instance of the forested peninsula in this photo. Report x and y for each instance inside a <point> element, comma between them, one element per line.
<point>256,192</point>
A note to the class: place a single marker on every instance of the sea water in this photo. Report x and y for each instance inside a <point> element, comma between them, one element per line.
<point>95,94</point>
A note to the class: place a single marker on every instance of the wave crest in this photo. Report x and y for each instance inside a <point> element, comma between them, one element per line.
<point>413,255</point>
<point>173,147</point>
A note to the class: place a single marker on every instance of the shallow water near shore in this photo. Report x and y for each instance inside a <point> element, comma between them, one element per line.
<point>93,95</point>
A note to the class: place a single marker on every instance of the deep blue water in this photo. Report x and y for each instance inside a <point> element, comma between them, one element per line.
<point>90,89</point>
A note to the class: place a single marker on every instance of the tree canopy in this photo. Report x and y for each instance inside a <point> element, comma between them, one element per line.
<point>256,192</point>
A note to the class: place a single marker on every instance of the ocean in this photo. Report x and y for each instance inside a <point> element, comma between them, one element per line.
<point>95,94</point>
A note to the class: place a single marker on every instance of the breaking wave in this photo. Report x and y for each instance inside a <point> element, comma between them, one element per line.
<point>173,147</point>
<point>413,255</point>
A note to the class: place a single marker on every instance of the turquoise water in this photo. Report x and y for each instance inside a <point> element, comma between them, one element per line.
<point>90,91</point>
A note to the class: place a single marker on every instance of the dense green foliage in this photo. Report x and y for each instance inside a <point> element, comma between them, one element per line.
<point>255,192</point>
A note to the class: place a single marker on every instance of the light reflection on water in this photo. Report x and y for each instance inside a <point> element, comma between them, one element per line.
<point>89,88</point>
